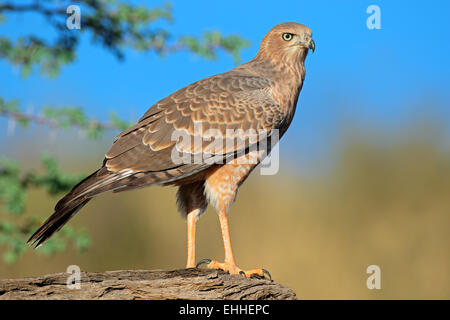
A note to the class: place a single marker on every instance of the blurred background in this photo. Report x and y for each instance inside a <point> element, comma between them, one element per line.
<point>365,167</point>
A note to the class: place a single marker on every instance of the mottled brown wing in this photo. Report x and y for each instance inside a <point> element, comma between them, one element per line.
<point>206,109</point>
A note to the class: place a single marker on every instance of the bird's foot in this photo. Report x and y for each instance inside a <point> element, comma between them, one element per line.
<point>231,268</point>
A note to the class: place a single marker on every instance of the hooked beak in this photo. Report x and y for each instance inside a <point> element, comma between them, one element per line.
<point>311,45</point>
<point>306,43</point>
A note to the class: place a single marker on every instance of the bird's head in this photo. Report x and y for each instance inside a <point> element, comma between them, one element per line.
<point>289,41</point>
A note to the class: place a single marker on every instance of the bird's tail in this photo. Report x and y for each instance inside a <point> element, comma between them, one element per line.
<point>56,221</point>
<point>100,181</point>
<point>70,204</point>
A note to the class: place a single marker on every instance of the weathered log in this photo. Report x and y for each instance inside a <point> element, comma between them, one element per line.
<point>194,284</point>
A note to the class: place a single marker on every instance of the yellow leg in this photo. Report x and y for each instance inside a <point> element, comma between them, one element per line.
<point>230,265</point>
<point>191,224</point>
<point>224,226</point>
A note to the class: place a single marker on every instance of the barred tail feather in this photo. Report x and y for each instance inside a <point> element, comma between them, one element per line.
<point>98,182</point>
<point>71,203</point>
<point>56,221</point>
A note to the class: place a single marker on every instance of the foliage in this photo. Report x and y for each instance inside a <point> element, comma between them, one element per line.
<point>112,24</point>
<point>13,195</point>
<point>14,184</point>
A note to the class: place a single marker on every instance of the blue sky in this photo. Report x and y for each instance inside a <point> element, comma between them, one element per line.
<point>377,76</point>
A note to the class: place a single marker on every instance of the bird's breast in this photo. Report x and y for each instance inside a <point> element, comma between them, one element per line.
<point>223,181</point>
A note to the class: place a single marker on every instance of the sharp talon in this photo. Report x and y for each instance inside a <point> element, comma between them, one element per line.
<point>242,273</point>
<point>204,261</point>
<point>265,272</point>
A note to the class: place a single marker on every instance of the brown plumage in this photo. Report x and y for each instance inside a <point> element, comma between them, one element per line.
<point>259,95</point>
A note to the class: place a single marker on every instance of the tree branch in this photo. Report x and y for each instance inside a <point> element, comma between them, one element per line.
<point>195,284</point>
<point>52,123</point>
<point>31,7</point>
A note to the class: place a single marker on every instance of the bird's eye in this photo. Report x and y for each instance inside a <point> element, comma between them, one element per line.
<point>287,36</point>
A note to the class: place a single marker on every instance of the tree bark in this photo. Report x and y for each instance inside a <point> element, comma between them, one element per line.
<point>193,283</point>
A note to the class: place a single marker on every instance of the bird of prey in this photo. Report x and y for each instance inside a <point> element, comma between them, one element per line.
<point>260,95</point>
